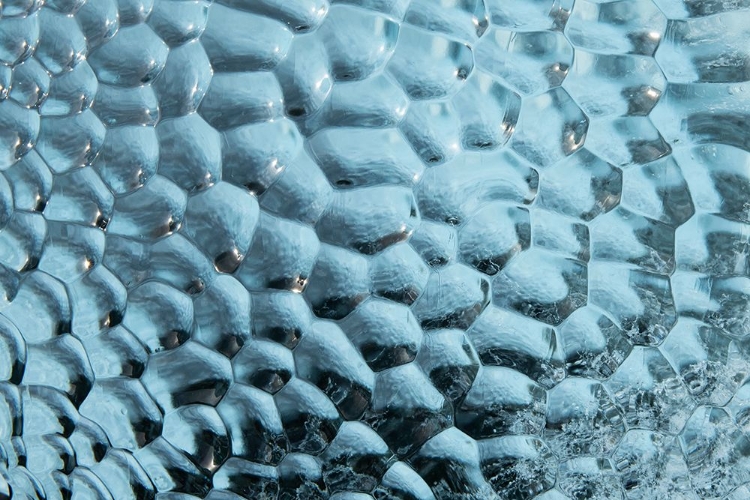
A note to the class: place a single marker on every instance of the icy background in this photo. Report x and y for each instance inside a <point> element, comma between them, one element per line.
<point>374,249</point>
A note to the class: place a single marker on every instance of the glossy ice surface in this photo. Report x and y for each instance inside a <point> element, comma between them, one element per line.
<point>375,249</point>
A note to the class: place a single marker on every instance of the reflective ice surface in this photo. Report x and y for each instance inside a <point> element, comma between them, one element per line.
<point>374,249</point>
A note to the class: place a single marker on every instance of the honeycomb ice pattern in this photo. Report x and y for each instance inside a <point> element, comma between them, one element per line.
<point>374,249</point>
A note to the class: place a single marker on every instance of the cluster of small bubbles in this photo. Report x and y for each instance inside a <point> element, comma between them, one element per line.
<point>374,249</point>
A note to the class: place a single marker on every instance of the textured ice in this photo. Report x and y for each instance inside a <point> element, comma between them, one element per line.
<point>374,249</point>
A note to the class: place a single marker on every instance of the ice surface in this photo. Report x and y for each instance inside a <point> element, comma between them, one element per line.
<point>374,249</point>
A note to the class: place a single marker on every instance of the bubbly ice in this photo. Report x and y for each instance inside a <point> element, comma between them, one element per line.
<point>374,249</point>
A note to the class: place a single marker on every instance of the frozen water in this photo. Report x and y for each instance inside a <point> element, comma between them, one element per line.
<point>374,249</point>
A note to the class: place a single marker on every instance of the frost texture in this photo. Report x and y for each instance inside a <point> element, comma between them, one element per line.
<point>374,249</point>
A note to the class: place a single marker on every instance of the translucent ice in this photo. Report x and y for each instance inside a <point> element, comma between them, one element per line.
<point>374,249</point>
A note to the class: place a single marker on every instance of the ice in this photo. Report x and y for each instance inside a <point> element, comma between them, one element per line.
<point>20,132</point>
<point>142,66</point>
<point>200,433</point>
<point>134,11</point>
<point>301,193</point>
<point>347,282</point>
<point>429,66</point>
<point>487,242</point>
<point>281,256</point>
<point>645,308</point>
<point>406,410</point>
<point>159,315</point>
<point>615,85</point>
<point>238,98</point>
<point>310,420</point>
<point>13,352</point>
<point>562,131</point>
<point>99,21</point>
<point>283,317</point>
<point>40,308</point>
<point>433,130</point>
<point>356,459</point>
<point>5,80</point>
<point>164,203</point>
<point>651,462</point>
<point>355,54</point>
<point>128,158</point>
<point>126,106</point>
<point>667,200</point>
<point>349,382</point>
<point>716,451</point>
<point>455,190</point>
<point>30,83</point>
<point>265,365</point>
<point>207,384</point>
<point>222,316</point>
<point>542,285</point>
<point>254,155</point>
<point>709,363</point>
<point>68,142</point>
<point>235,211</point>
<point>450,464</point>
<point>176,261</point>
<point>254,424</point>
<point>230,48</point>
<point>19,8</point>
<point>528,63</point>
<point>435,242</point>
<point>530,347</point>
<point>125,412</point>
<point>31,182</point>
<point>457,19</point>
<point>61,44</point>
<point>170,470</point>
<point>375,102</point>
<point>362,231</point>
<point>625,27</point>
<point>23,241</point>
<point>399,274</point>
<point>84,484</point>
<point>121,471</point>
<point>70,92</point>
<point>501,401</point>
<point>180,91</point>
<point>517,466</point>
<point>304,75</point>
<point>593,345</point>
<point>353,157</point>
<point>623,236</point>
<point>79,196</point>
<point>492,125</point>
<point>450,361</point>
<point>374,249</point>
<point>566,236</point>
<point>69,262</point>
<point>525,15</point>
<point>582,419</point>
<point>401,481</point>
<point>589,477</point>
<point>20,35</point>
<point>440,307</point>
<point>301,476</point>
<point>649,393</point>
<point>116,352</point>
<point>386,334</point>
<point>178,21</point>
<point>60,363</point>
